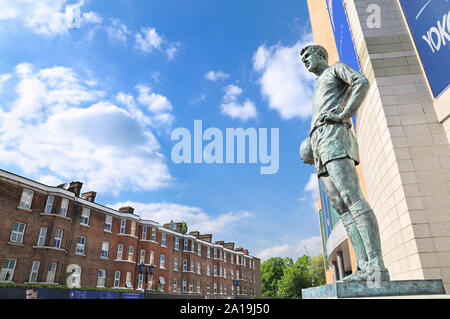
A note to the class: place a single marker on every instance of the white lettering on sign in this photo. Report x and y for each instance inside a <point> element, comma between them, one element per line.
<point>437,37</point>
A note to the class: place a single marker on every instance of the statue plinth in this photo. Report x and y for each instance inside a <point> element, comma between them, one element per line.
<point>398,288</point>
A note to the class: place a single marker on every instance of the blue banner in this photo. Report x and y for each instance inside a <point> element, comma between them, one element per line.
<point>429,23</point>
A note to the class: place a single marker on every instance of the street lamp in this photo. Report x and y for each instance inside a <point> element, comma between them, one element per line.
<point>141,270</point>
<point>236,285</point>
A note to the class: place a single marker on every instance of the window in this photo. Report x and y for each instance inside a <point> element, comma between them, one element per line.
<point>17,233</point>
<point>162,282</point>
<point>153,234</point>
<point>162,262</point>
<point>117,279</point>
<point>232,274</point>
<point>199,249</point>
<point>224,256</point>
<point>215,252</point>
<point>58,238</point>
<point>215,288</point>
<point>142,257</point>
<point>85,216</point>
<point>42,236</point>
<point>7,272</point>
<point>185,265</point>
<point>49,204</point>
<point>175,264</point>
<point>120,252</point>
<point>225,289</point>
<point>225,272</point>
<point>232,259</point>
<point>81,243</point>
<point>76,276</point>
<point>133,228</point>
<point>208,270</point>
<point>198,287</point>
<point>185,247</point>
<point>140,281</point>
<point>199,268</point>
<point>152,257</point>
<point>163,239</point>
<point>220,271</point>
<point>123,223</point>
<point>237,274</point>
<point>208,288</point>
<point>177,243</point>
<point>34,271</point>
<point>215,271</point>
<point>184,286</point>
<point>64,205</point>
<point>51,272</point>
<point>208,252</point>
<point>25,200</point>
<point>175,285</point>
<point>192,266</point>
<point>128,280</point>
<point>191,286</point>
<point>221,290</point>
<point>101,278</point>
<point>130,253</point>
<point>108,222</point>
<point>105,249</point>
<point>144,232</point>
<point>192,245</point>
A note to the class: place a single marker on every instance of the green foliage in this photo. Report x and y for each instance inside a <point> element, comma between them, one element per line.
<point>184,228</point>
<point>285,279</point>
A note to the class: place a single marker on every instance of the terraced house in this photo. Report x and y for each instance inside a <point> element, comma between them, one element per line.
<point>58,235</point>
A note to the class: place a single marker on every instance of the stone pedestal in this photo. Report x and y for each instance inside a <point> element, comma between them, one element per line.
<point>399,288</point>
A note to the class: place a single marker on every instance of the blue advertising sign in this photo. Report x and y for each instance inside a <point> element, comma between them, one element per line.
<point>429,23</point>
<point>342,35</point>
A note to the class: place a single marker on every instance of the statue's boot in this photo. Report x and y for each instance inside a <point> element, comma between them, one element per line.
<point>357,243</point>
<point>367,225</point>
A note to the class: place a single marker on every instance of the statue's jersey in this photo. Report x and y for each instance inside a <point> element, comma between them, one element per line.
<point>333,89</point>
<point>330,140</point>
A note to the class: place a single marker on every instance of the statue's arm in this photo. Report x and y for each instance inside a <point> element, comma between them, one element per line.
<point>359,85</point>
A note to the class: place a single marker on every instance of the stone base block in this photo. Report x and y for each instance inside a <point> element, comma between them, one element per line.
<point>375,289</point>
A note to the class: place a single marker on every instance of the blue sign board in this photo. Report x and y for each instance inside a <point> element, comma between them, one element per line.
<point>342,35</point>
<point>429,23</point>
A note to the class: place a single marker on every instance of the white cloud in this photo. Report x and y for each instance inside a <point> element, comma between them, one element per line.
<point>148,40</point>
<point>47,17</point>
<point>232,108</point>
<point>117,31</point>
<point>284,81</point>
<point>216,76</point>
<point>294,250</point>
<point>312,191</point>
<point>3,79</point>
<point>195,217</point>
<point>60,129</point>
<point>156,103</point>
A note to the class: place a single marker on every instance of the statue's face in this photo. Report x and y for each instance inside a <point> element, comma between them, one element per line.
<point>312,60</point>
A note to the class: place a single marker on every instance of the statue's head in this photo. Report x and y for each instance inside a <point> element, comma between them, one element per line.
<point>314,57</point>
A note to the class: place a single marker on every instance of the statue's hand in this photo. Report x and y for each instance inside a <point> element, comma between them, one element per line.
<point>306,152</point>
<point>331,117</point>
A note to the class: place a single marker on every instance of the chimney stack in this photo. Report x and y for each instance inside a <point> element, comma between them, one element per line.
<point>89,196</point>
<point>229,246</point>
<point>126,210</point>
<point>75,187</point>
<point>205,237</point>
<point>196,234</point>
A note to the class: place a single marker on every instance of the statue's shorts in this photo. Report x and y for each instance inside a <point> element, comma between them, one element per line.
<point>332,141</point>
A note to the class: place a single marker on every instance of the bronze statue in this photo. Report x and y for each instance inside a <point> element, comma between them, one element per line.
<point>332,148</point>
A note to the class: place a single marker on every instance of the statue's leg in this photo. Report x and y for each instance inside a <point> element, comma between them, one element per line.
<point>348,222</point>
<point>343,174</point>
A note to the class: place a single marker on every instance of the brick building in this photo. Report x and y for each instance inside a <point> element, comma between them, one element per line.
<point>58,235</point>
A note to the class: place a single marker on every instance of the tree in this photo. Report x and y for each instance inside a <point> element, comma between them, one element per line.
<point>317,271</point>
<point>184,228</point>
<point>271,272</point>
<point>294,279</point>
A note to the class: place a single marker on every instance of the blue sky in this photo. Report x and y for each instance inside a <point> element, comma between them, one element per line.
<point>97,102</point>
